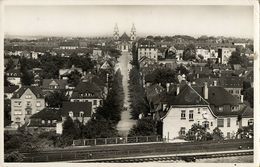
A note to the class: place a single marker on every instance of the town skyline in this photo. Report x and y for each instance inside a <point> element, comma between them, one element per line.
<point>99,21</point>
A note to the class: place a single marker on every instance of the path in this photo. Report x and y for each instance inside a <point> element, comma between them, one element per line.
<point>126,122</point>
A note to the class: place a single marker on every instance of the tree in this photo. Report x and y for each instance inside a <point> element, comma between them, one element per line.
<point>27,77</point>
<point>245,132</point>
<point>74,78</point>
<point>69,132</point>
<point>217,134</point>
<point>189,52</point>
<point>237,58</point>
<point>249,96</point>
<point>144,127</point>
<point>198,133</point>
<point>7,112</point>
<point>14,156</point>
<point>99,128</point>
<point>55,99</point>
<point>182,70</point>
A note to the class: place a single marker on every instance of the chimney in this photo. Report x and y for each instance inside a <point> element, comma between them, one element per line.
<point>205,91</point>
<point>242,98</point>
<point>214,83</point>
<point>200,68</point>
<point>167,87</point>
<point>198,75</point>
<point>178,89</point>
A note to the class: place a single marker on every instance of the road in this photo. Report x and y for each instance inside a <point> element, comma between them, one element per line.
<point>126,122</point>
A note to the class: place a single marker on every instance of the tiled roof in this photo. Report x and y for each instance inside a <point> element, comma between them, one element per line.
<point>48,114</point>
<point>231,82</point>
<point>218,96</point>
<point>14,72</point>
<point>46,82</point>
<point>10,89</point>
<point>87,87</point>
<point>36,91</point>
<point>76,108</point>
<point>145,43</point>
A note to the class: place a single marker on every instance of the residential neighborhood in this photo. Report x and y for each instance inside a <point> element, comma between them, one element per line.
<point>129,93</point>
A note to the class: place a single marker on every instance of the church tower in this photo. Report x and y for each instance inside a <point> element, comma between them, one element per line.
<point>116,33</point>
<point>133,33</point>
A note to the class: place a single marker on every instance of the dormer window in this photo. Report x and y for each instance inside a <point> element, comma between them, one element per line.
<point>71,114</point>
<point>81,114</point>
<point>28,96</point>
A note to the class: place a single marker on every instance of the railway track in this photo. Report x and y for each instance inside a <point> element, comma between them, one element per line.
<point>172,158</point>
<point>125,151</point>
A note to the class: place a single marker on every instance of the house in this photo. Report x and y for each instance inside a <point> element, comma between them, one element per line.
<point>105,66</point>
<point>145,61</point>
<point>88,92</point>
<point>25,102</point>
<point>37,76</point>
<point>54,84</point>
<point>81,111</point>
<point>44,120</point>
<point>14,76</point>
<point>234,85</point>
<point>209,106</point>
<point>201,71</point>
<point>69,45</point>
<point>96,53</point>
<point>147,48</point>
<point>205,53</point>
<point>9,91</point>
<point>224,54</point>
<point>63,73</point>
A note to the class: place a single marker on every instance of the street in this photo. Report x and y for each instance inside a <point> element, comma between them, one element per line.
<point>126,123</point>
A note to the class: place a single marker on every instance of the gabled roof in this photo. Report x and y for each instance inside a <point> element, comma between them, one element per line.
<point>124,37</point>
<point>218,96</point>
<point>146,43</point>
<point>76,108</point>
<point>188,96</point>
<point>48,114</point>
<point>46,82</point>
<point>10,89</point>
<point>36,91</point>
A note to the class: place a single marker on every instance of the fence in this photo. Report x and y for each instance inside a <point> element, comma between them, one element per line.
<point>116,140</point>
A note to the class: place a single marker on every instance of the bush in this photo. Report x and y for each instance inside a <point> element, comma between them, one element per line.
<point>198,133</point>
<point>144,127</point>
<point>217,134</point>
<point>14,156</point>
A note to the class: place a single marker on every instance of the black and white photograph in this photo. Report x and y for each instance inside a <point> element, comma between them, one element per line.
<point>130,83</point>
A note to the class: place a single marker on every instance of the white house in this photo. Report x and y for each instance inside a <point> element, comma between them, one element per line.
<point>210,107</point>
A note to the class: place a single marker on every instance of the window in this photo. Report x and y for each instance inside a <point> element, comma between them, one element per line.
<point>220,122</point>
<point>28,96</point>
<point>250,122</point>
<point>17,103</point>
<point>228,122</point>
<point>43,121</point>
<point>38,104</point>
<point>231,91</point>
<point>211,123</point>
<point>95,102</point>
<point>183,114</point>
<point>228,135</point>
<point>17,119</point>
<point>71,114</point>
<point>29,103</point>
<point>198,110</point>
<point>191,115</point>
<point>237,92</point>
<point>17,112</point>
<point>205,124</point>
<point>182,132</point>
<point>81,114</point>
<point>198,122</point>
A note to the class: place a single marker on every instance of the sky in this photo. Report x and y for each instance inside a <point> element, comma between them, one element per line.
<point>90,21</point>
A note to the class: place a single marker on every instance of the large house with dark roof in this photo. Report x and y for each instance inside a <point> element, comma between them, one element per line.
<point>147,48</point>
<point>54,84</point>
<point>88,92</point>
<point>209,106</point>
<point>25,102</point>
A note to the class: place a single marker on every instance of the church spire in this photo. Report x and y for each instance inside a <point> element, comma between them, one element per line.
<point>133,33</point>
<point>116,32</point>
